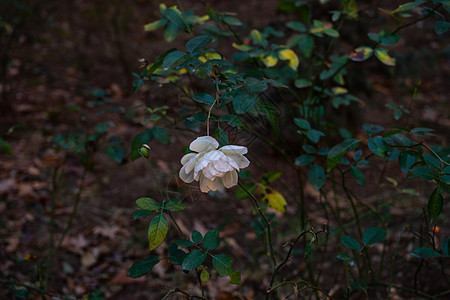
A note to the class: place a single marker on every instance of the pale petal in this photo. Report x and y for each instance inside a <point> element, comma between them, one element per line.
<point>190,165</point>
<point>186,177</point>
<point>233,150</point>
<point>214,155</point>
<point>210,172</point>
<point>200,164</point>
<point>230,179</point>
<point>215,184</point>
<point>203,144</point>
<point>222,165</point>
<point>204,184</point>
<point>187,157</point>
<point>240,160</point>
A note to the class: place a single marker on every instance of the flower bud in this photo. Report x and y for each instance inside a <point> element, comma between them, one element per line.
<point>144,151</point>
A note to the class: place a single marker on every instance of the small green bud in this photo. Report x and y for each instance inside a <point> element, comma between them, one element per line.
<point>144,151</point>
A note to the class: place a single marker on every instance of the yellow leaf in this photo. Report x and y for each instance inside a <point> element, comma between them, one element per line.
<point>339,90</point>
<point>269,61</point>
<point>383,55</point>
<point>213,55</point>
<point>243,47</point>
<point>291,57</point>
<point>273,198</point>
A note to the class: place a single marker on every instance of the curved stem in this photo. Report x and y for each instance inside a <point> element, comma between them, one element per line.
<point>271,253</point>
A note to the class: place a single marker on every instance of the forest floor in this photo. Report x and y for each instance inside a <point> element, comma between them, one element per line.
<point>71,68</point>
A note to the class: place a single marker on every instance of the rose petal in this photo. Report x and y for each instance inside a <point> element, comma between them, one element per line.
<point>203,144</point>
<point>187,157</point>
<point>240,160</point>
<point>233,150</point>
<point>186,177</point>
<point>230,179</point>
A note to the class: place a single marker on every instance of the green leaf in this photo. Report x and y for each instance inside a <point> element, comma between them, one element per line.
<point>358,175</point>
<point>235,277</point>
<point>211,240</point>
<point>297,26</point>
<point>176,255</point>
<point>142,267</point>
<point>314,135</point>
<point>336,153</point>
<point>372,129</point>
<point>175,205</point>
<point>302,123</point>
<point>373,235</point>
<point>148,204</point>
<point>232,120</point>
<point>432,161</point>
<point>383,56</point>
<point>305,44</point>
<point>184,243</point>
<point>222,264</point>
<point>378,146</point>
<point>193,260</point>
<point>116,152</point>
<point>175,16</point>
<point>221,137</point>
<point>258,38</point>
<point>232,21</point>
<point>390,39</point>
<point>302,83</point>
<point>155,25</point>
<point>304,160</point>
<point>316,176</point>
<point>161,135</point>
<point>350,242</point>
<point>174,59</point>
<point>424,253</point>
<point>408,6</point>
<point>406,161</point>
<point>445,246</point>
<point>244,102</point>
<point>331,32</point>
<point>196,236</point>
<point>5,147</point>
<point>139,213</point>
<point>441,27</point>
<point>198,43</point>
<point>361,54</point>
<point>423,172</point>
<point>344,257</point>
<point>157,231</point>
<point>203,98</point>
<point>435,204</point>
<point>309,149</point>
<point>170,32</point>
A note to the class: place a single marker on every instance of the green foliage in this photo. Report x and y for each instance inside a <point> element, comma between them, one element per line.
<point>278,80</point>
<point>142,267</point>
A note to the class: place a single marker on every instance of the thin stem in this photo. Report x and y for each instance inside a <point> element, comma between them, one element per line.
<point>271,253</point>
<point>74,212</point>
<point>41,291</point>
<point>177,290</point>
<point>156,180</point>
<point>307,285</point>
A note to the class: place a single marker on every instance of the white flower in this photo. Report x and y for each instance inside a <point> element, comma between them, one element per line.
<point>213,168</point>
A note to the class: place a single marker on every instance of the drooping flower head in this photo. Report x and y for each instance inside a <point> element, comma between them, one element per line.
<point>213,168</point>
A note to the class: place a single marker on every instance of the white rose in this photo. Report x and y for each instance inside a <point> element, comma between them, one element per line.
<point>213,168</point>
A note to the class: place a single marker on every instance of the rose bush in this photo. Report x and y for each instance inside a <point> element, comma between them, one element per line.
<point>213,168</point>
